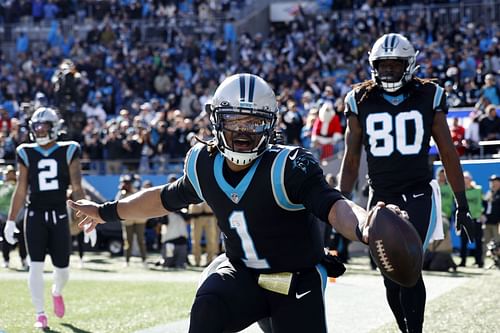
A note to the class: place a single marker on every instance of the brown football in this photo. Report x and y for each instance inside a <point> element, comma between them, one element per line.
<point>395,246</point>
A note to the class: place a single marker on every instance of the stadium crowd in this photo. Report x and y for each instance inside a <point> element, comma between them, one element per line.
<point>129,100</point>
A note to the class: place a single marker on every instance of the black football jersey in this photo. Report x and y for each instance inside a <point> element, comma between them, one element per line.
<point>396,134</point>
<point>48,171</point>
<point>266,219</point>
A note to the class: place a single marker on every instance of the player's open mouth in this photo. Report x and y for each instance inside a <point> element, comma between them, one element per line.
<point>243,143</point>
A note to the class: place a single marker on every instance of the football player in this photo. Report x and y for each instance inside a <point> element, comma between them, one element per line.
<point>393,116</point>
<point>46,168</point>
<point>264,197</point>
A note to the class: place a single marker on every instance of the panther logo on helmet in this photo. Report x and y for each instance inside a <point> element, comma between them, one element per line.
<point>44,126</point>
<point>392,47</point>
<point>243,113</point>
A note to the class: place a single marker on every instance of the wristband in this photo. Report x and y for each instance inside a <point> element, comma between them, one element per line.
<point>461,201</point>
<point>108,211</point>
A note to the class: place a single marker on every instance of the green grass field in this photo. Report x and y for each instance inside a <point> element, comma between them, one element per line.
<point>472,307</point>
<point>105,297</point>
<point>99,306</point>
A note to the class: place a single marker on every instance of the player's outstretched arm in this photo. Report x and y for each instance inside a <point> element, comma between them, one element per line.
<point>141,205</point>
<point>348,219</point>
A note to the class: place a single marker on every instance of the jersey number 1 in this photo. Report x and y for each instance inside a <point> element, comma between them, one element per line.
<point>238,222</point>
<point>47,177</point>
<point>380,125</point>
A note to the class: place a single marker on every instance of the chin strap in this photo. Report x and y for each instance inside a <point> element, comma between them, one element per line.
<point>211,145</point>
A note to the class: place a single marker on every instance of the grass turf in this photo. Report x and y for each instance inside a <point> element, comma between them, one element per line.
<point>98,306</point>
<point>471,308</point>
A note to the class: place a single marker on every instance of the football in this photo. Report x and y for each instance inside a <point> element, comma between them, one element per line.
<point>395,246</point>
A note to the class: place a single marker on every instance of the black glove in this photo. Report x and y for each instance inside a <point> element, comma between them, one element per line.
<point>464,223</point>
<point>334,267</point>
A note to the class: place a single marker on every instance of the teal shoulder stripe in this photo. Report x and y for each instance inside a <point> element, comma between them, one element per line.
<point>190,168</point>
<point>70,152</point>
<point>437,96</point>
<point>351,101</point>
<point>278,179</point>
<point>23,155</point>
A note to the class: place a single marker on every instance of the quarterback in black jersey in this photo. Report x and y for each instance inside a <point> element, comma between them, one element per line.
<point>393,116</point>
<point>264,197</point>
<point>46,169</point>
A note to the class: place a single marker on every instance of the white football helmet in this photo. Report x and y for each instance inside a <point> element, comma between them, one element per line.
<point>243,113</point>
<point>393,46</point>
<point>44,125</point>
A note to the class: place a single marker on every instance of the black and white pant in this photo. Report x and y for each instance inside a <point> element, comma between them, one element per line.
<point>47,231</point>
<point>231,299</point>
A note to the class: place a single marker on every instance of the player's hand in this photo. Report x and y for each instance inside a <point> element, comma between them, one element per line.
<point>88,211</point>
<point>365,230</point>
<point>401,213</point>
<point>464,223</point>
<point>89,236</point>
<point>9,231</point>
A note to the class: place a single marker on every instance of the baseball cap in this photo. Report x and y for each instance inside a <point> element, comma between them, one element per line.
<point>494,177</point>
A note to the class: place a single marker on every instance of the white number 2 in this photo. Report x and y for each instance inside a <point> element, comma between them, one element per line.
<point>47,177</point>
<point>380,125</point>
<point>238,222</point>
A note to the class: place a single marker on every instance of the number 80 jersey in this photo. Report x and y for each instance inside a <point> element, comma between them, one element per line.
<point>396,132</point>
<point>48,171</point>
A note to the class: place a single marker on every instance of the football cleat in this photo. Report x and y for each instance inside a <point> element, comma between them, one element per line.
<point>58,305</point>
<point>41,322</point>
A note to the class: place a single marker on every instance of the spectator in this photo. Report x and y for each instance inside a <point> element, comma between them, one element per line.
<point>490,90</point>
<point>203,222</point>
<point>489,128</point>
<point>292,122</point>
<point>326,130</point>
<point>492,212</point>
<point>457,132</point>
<point>475,201</point>
<point>7,186</point>
<point>132,227</point>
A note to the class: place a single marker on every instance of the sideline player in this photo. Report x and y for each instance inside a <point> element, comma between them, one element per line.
<point>264,197</point>
<point>46,168</point>
<point>394,116</point>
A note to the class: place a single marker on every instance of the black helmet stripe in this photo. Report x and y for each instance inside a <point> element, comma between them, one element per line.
<point>242,87</point>
<point>251,88</point>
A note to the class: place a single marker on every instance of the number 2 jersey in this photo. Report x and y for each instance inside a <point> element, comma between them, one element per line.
<point>396,134</point>
<point>266,215</point>
<point>48,171</point>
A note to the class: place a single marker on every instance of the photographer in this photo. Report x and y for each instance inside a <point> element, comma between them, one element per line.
<point>66,79</point>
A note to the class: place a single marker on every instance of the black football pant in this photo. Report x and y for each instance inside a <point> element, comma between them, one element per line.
<point>230,300</point>
<point>47,231</point>
<point>408,304</point>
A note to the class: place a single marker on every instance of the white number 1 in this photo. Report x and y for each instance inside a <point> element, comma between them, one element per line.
<point>238,222</point>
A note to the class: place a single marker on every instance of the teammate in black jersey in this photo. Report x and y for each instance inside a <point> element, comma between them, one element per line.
<point>394,116</point>
<point>263,197</point>
<point>46,168</point>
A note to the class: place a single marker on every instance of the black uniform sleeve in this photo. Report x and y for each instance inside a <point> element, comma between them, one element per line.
<point>306,184</point>
<point>179,194</point>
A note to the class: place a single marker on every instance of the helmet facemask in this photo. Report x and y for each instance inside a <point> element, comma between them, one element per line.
<point>242,134</point>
